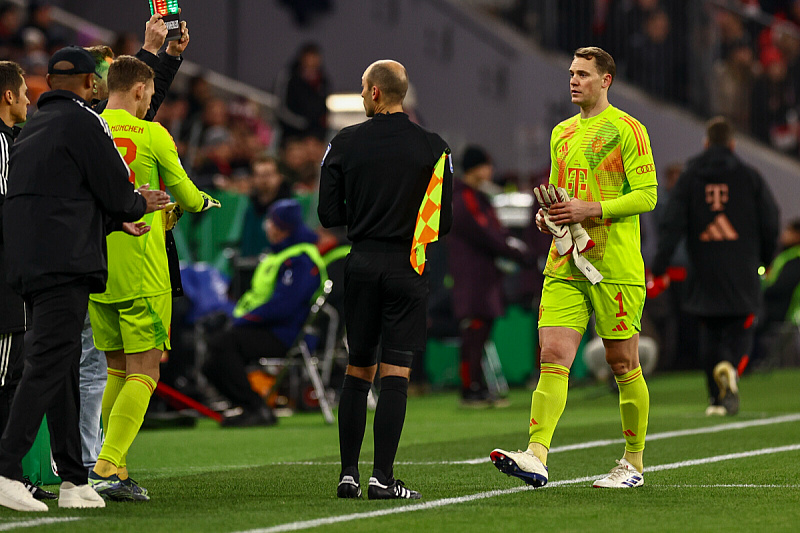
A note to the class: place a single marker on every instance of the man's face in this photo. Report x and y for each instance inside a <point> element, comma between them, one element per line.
<point>144,104</point>
<point>483,172</point>
<point>366,95</point>
<point>266,178</point>
<point>275,235</point>
<point>585,82</point>
<point>19,109</point>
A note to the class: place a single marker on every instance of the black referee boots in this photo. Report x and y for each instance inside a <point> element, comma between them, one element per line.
<point>348,484</point>
<point>392,489</point>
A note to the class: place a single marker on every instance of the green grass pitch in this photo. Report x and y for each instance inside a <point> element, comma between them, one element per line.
<point>208,479</point>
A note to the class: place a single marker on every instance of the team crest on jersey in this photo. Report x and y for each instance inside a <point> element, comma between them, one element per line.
<point>327,151</point>
<point>597,144</point>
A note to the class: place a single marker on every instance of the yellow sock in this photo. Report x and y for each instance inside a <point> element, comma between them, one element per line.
<point>104,468</point>
<point>539,450</point>
<point>114,384</point>
<point>635,458</point>
<point>634,408</point>
<point>547,404</point>
<point>126,417</point>
<point>122,472</point>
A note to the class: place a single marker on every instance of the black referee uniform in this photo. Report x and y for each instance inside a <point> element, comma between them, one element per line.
<point>374,177</point>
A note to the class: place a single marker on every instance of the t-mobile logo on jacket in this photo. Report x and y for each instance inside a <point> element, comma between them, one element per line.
<point>720,229</point>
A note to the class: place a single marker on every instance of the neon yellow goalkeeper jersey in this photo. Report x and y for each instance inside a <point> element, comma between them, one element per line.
<point>137,266</point>
<point>599,159</point>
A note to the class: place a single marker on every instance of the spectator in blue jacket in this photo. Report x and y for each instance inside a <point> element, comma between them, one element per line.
<point>269,316</point>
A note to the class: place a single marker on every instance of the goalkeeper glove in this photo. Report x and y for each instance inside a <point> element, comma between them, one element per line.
<point>208,202</point>
<point>579,236</point>
<point>172,213</point>
<point>585,266</point>
<point>547,196</point>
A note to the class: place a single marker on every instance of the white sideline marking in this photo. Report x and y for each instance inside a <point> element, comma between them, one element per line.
<point>729,485</point>
<point>308,524</point>
<point>599,443</point>
<point>7,526</point>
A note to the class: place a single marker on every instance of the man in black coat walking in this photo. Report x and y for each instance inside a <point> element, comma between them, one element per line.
<point>66,181</point>
<point>730,220</point>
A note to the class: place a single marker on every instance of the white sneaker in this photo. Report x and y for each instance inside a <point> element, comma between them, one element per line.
<point>14,495</point>
<point>72,496</point>
<point>622,476</point>
<point>727,378</point>
<point>716,410</point>
<point>523,465</point>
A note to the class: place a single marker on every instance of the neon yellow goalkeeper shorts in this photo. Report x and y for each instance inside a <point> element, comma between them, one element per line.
<point>134,326</point>
<point>569,304</point>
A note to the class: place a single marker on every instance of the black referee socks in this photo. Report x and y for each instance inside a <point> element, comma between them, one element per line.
<point>389,418</point>
<point>352,419</point>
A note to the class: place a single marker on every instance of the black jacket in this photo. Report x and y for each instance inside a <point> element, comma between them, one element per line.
<point>374,177</point>
<point>730,220</point>
<point>14,316</point>
<point>66,175</point>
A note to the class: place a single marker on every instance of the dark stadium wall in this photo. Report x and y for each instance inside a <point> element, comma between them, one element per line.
<point>475,81</point>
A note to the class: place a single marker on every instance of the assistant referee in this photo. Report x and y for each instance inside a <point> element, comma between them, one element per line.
<point>375,176</point>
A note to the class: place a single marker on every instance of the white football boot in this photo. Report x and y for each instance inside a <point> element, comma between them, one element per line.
<point>523,465</point>
<point>622,476</point>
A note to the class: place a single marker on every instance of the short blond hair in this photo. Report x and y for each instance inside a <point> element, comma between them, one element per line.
<point>602,59</point>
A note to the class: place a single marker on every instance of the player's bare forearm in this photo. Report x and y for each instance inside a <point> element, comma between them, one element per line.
<point>576,210</point>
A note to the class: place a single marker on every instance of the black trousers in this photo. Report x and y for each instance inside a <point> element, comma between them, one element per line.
<point>49,384</point>
<point>723,339</point>
<point>11,363</point>
<point>230,351</point>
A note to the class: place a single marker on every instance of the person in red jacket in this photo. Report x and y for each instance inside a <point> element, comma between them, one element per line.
<point>475,242</point>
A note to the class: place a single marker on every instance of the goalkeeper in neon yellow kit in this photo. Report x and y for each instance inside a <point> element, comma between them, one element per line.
<point>131,319</point>
<point>601,158</point>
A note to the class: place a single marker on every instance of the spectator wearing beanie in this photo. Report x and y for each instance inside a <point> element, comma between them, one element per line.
<point>268,317</point>
<point>475,242</point>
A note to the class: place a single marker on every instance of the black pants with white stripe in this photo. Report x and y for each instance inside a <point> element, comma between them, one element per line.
<point>11,353</point>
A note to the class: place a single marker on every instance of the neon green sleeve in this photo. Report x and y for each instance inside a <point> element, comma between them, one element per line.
<point>633,203</point>
<point>553,158</point>
<point>171,171</point>
<point>640,192</point>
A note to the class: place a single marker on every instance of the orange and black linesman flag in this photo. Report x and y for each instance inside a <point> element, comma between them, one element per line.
<point>427,229</point>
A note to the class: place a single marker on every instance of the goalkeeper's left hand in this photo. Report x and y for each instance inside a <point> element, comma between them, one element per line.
<point>172,213</point>
<point>208,202</point>
<point>547,196</point>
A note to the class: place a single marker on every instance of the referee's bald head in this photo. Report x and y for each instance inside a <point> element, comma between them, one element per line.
<point>390,77</point>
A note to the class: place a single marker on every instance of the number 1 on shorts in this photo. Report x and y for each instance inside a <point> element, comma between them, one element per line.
<point>618,298</point>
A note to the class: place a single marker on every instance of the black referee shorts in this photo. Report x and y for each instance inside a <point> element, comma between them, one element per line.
<point>386,302</point>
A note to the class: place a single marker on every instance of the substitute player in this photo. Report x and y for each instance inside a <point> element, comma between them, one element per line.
<point>131,319</point>
<point>602,157</point>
